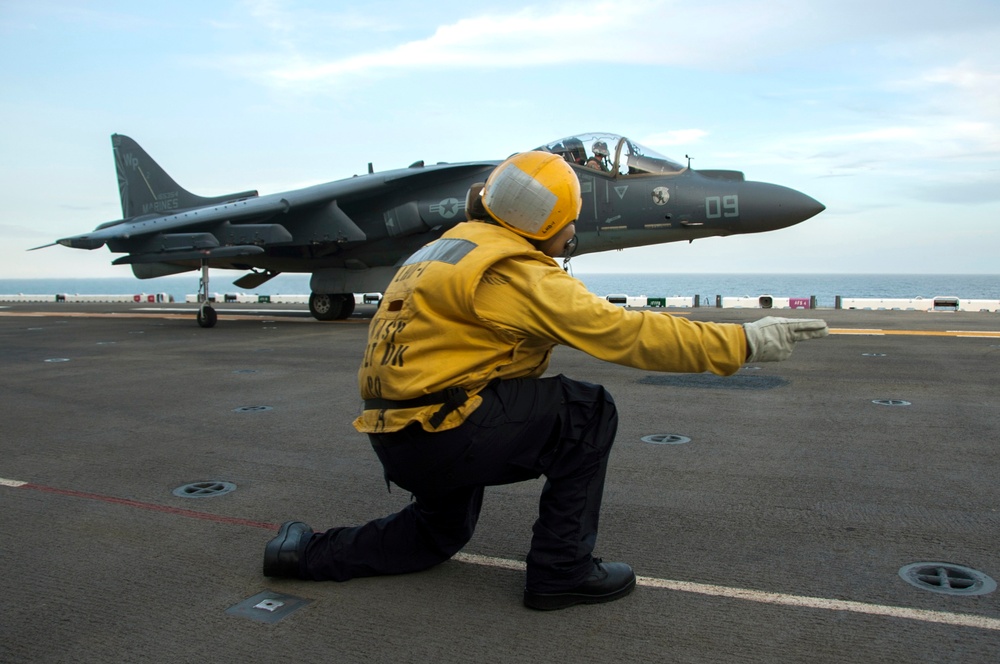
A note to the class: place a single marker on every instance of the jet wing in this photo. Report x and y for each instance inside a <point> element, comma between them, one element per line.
<point>233,229</point>
<point>125,229</point>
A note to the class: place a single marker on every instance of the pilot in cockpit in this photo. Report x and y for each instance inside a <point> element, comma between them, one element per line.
<point>599,162</point>
<point>573,151</point>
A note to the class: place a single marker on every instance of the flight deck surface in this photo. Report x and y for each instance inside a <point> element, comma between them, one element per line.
<point>145,462</point>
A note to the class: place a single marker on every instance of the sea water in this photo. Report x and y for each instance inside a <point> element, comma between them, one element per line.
<point>824,287</point>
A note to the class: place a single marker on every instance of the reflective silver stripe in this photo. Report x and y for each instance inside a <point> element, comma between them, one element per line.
<point>444,251</point>
<point>519,199</point>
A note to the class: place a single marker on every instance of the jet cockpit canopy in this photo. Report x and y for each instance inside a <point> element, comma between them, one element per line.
<point>624,157</point>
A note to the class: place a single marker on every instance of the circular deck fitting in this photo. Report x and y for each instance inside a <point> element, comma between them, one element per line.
<point>204,489</point>
<point>891,402</point>
<point>872,354</point>
<point>251,409</point>
<point>665,439</point>
<point>947,578</point>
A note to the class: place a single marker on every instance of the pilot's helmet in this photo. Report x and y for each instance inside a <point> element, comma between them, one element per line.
<point>534,194</point>
<point>601,148</point>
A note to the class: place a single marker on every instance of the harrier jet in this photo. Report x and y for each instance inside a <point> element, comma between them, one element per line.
<point>353,234</point>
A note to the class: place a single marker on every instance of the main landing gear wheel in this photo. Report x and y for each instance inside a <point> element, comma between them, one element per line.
<point>336,306</point>
<point>207,316</point>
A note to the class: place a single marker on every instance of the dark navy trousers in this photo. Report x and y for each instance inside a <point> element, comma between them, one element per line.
<point>525,428</point>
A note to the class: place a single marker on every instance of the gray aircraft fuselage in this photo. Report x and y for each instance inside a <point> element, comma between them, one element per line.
<point>352,234</point>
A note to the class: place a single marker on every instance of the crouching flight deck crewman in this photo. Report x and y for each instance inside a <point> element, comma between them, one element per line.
<point>455,399</point>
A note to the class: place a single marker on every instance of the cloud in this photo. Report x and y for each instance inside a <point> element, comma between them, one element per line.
<point>273,16</point>
<point>528,37</point>
<point>719,33</point>
<point>730,35</point>
<point>964,88</point>
<point>939,125</point>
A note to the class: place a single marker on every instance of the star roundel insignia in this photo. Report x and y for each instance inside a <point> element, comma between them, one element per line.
<point>447,208</point>
<point>661,195</point>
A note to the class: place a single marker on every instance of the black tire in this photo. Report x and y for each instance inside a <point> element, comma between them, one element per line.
<point>325,306</point>
<point>346,306</point>
<point>207,317</point>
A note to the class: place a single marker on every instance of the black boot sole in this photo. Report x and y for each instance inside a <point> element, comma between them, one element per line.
<point>556,601</point>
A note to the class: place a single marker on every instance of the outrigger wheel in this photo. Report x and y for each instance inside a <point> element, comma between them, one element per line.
<point>206,314</point>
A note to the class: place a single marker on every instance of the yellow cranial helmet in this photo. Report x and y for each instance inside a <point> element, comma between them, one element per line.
<point>534,194</point>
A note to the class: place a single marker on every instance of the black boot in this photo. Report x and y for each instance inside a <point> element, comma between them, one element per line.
<point>608,582</point>
<point>283,554</point>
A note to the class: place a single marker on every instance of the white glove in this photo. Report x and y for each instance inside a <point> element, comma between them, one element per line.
<point>772,339</point>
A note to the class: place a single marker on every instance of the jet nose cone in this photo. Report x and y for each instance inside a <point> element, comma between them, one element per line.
<point>806,207</point>
<point>768,207</point>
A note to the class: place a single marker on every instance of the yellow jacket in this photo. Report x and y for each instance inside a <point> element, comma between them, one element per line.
<point>482,303</point>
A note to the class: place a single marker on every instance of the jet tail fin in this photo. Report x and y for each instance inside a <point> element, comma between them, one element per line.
<point>145,188</point>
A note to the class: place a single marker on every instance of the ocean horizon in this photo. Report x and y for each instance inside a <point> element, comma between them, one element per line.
<point>824,287</point>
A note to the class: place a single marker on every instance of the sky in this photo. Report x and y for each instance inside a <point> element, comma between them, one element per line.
<point>888,112</point>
